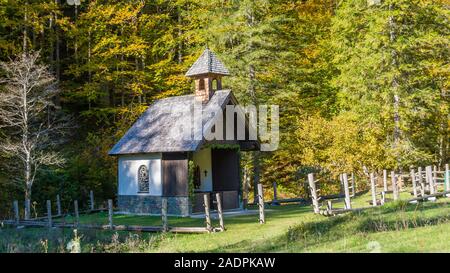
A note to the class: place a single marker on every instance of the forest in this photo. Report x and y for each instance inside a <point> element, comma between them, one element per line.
<point>361,84</point>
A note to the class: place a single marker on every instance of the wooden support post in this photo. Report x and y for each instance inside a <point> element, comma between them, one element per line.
<point>383,198</point>
<point>447,179</point>
<point>164,214</point>
<point>348,203</point>
<point>220,211</point>
<point>77,214</point>
<point>58,205</point>
<point>341,178</point>
<point>429,178</point>
<point>421,182</point>
<point>275,195</point>
<point>435,170</point>
<point>374,190</point>
<point>329,205</point>
<point>110,214</point>
<point>262,218</point>
<point>314,198</point>
<point>49,213</point>
<point>394,186</point>
<point>385,178</point>
<point>16,212</point>
<point>207,212</point>
<point>27,209</point>
<point>414,182</point>
<point>91,198</point>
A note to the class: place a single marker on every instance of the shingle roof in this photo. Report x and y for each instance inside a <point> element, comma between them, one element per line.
<point>159,129</point>
<point>207,63</point>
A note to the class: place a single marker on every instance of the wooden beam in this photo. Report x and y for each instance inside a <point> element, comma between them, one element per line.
<point>374,190</point>
<point>207,212</point>
<point>421,182</point>
<point>16,211</point>
<point>348,203</point>
<point>49,213</point>
<point>312,187</point>
<point>220,211</point>
<point>430,180</point>
<point>77,215</point>
<point>58,205</point>
<point>414,182</point>
<point>262,218</point>
<point>91,200</point>
<point>394,186</point>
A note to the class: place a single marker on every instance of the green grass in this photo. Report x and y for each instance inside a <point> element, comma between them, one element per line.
<point>395,227</point>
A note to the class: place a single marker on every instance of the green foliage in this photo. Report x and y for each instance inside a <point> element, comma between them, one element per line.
<point>332,66</point>
<point>191,186</point>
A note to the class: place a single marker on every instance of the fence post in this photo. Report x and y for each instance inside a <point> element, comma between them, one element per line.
<point>77,214</point>
<point>385,184</point>
<point>348,203</point>
<point>275,195</point>
<point>447,180</point>
<point>329,205</point>
<point>394,186</point>
<point>110,214</point>
<point>207,212</point>
<point>435,170</point>
<point>16,211</point>
<point>374,190</point>
<point>49,213</point>
<point>383,198</point>
<point>58,205</point>
<point>262,218</point>
<point>421,182</point>
<point>429,177</point>
<point>220,211</point>
<point>164,214</point>
<point>27,209</point>
<point>91,198</point>
<point>414,182</point>
<point>312,187</point>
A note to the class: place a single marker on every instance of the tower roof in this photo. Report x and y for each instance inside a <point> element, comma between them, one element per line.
<point>207,63</point>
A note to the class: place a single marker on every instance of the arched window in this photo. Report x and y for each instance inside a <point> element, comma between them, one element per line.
<point>143,181</point>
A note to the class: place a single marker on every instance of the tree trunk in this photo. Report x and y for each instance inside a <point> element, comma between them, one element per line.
<point>256,175</point>
<point>25,34</point>
<point>395,87</point>
<point>58,64</point>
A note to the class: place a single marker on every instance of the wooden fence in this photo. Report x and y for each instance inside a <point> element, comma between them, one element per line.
<point>49,219</point>
<point>427,185</point>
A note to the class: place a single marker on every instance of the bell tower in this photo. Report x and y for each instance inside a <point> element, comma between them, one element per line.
<point>207,73</point>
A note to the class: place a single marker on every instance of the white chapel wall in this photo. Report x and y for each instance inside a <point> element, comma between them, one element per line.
<point>128,173</point>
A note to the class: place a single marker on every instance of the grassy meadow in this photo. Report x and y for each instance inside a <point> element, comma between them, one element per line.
<point>395,227</point>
